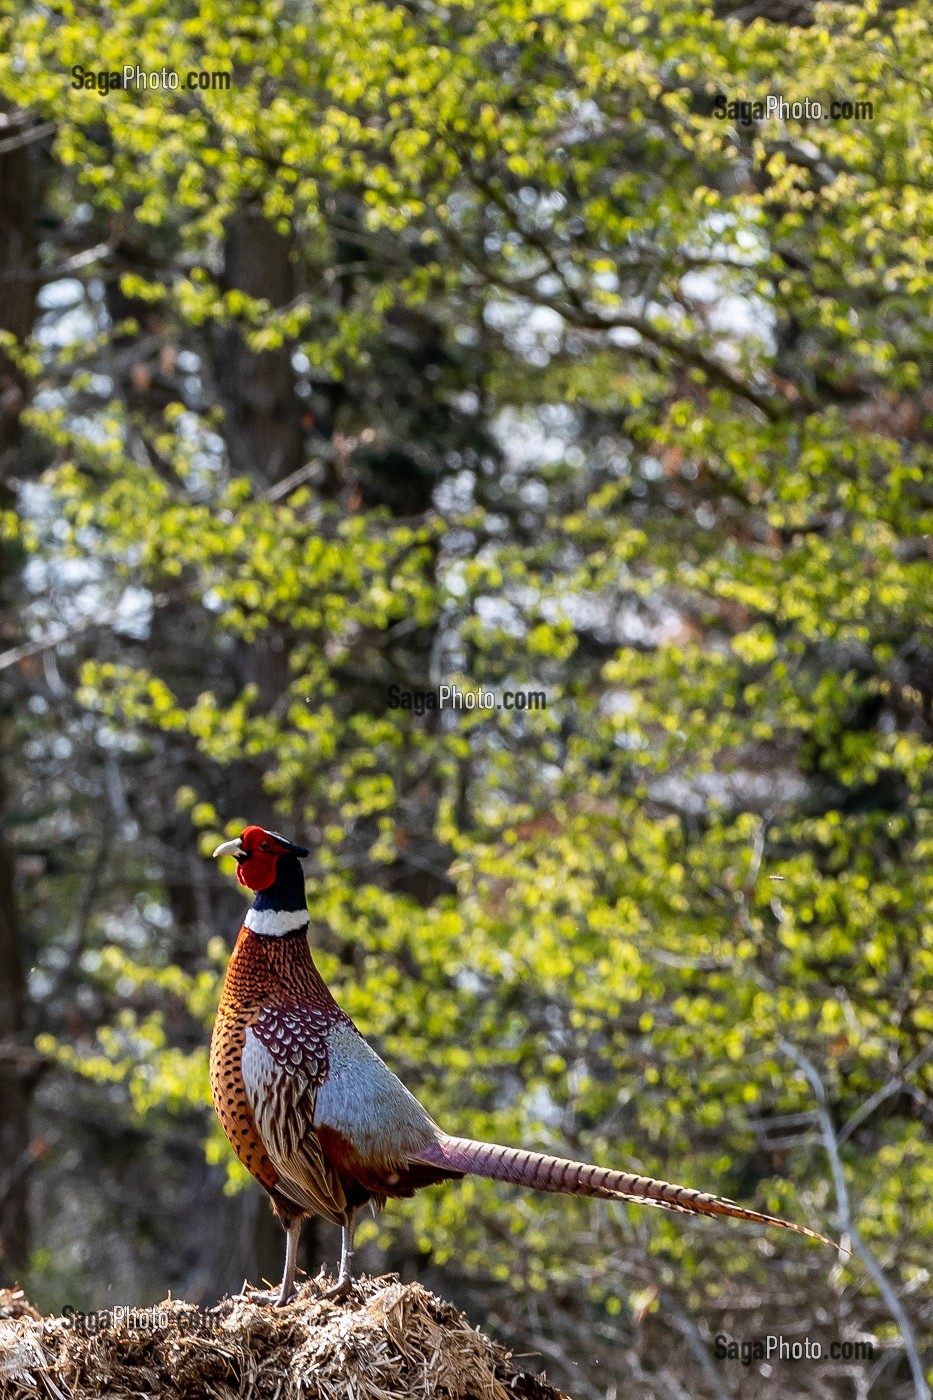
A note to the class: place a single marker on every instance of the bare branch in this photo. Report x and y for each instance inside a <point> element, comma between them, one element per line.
<point>886,1092</point>
<point>697,1345</point>
<point>15,655</point>
<point>847,1224</point>
<point>25,138</point>
<point>288,484</point>
<point>50,641</point>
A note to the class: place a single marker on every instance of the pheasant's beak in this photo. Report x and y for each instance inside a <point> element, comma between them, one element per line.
<point>230,848</point>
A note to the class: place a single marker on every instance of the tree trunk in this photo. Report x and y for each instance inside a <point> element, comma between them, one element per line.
<point>263,430</point>
<point>18,261</point>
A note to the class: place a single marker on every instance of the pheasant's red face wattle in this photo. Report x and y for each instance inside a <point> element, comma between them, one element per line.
<point>257,872</point>
<point>256,866</point>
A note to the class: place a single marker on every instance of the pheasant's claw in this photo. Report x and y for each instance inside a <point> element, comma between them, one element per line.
<point>343,1288</point>
<point>257,1295</point>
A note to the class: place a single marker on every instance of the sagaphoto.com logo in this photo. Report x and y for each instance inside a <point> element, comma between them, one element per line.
<point>771,1348</point>
<point>776,108</point>
<point>131,77</point>
<point>453,697</point>
<point>187,1318</point>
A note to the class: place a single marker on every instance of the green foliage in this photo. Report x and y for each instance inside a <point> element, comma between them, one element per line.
<point>718,833</point>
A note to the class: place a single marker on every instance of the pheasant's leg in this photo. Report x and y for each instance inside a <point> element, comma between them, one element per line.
<point>288,1290</point>
<point>344,1284</point>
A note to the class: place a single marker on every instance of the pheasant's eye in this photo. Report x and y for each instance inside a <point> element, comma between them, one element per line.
<point>265,846</point>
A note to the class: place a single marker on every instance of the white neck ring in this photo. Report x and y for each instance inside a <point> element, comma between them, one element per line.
<point>272,923</point>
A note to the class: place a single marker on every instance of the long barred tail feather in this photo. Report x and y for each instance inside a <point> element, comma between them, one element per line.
<point>544,1173</point>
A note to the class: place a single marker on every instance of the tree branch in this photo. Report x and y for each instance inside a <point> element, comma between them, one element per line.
<point>886,1092</point>
<point>847,1224</point>
<point>25,138</point>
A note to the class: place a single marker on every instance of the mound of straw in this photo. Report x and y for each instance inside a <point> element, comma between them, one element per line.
<point>390,1341</point>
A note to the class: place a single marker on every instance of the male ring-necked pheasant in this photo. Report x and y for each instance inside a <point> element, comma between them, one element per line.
<point>317,1117</point>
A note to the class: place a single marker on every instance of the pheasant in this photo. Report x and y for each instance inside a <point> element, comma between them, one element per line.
<point>317,1117</point>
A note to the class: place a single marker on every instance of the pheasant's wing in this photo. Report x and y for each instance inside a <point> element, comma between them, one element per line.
<point>365,1111</point>
<point>285,1064</point>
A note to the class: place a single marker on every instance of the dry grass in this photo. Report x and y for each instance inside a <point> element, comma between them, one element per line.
<point>391,1341</point>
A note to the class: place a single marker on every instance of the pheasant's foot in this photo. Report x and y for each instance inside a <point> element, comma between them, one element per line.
<point>343,1288</point>
<point>344,1285</point>
<point>257,1295</point>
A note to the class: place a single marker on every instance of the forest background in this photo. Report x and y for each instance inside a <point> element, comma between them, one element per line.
<point>470,344</point>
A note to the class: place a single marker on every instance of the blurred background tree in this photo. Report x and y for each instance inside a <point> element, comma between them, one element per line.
<point>470,345</point>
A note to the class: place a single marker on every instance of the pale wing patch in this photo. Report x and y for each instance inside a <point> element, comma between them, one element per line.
<point>364,1101</point>
<point>281,1098</point>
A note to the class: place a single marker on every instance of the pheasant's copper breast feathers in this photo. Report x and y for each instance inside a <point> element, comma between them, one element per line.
<point>229,1096</point>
